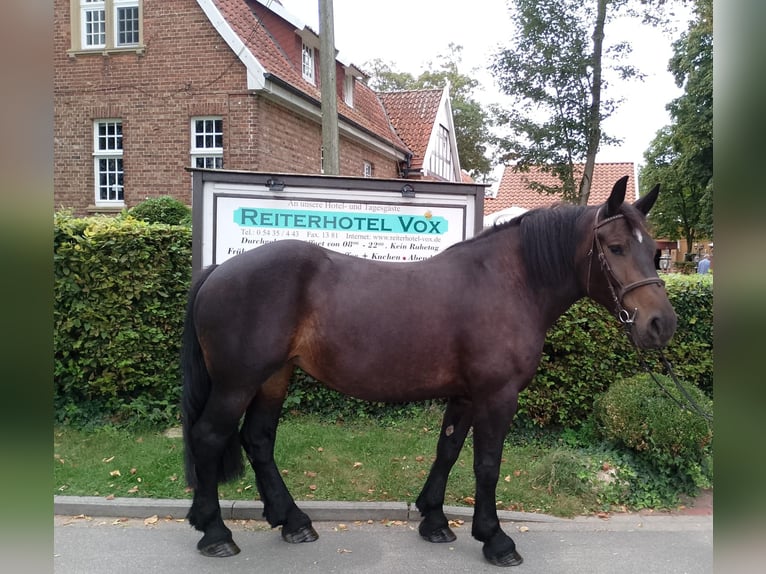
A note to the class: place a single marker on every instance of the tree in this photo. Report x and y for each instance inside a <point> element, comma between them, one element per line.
<point>471,120</point>
<point>554,73</point>
<point>680,157</point>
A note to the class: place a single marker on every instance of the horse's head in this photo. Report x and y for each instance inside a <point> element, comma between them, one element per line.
<point>620,272</point>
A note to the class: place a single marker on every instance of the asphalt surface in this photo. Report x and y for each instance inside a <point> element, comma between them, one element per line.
<point>95,535</point>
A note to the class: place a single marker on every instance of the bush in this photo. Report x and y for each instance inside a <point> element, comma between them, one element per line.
<point>587,349</point>
<point>691,350</point>
<point>119,297</point>
<point>676,443</point>
<point>163,209</point>
<point>119,293</point>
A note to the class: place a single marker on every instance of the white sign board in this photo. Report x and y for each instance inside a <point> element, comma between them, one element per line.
<point>372,221</point>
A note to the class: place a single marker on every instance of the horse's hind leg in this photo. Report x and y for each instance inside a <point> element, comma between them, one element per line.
<point>457,421</point>
<point>211,441</point>
<point>258,435</point>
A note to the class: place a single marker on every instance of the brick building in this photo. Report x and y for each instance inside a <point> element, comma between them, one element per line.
<point>144,89</point>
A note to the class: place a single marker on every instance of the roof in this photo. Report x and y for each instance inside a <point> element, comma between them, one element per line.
<point>514,190</point>
<point>413,115</point>
<point>267,34</point>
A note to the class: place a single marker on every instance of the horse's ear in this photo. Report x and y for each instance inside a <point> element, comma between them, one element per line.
<point>645,203</point>
<point>616,197</point>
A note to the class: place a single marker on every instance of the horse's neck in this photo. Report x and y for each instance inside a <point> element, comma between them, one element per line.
<point>549,301</point>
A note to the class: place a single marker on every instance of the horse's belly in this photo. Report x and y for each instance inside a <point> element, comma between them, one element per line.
<point>385,381</point>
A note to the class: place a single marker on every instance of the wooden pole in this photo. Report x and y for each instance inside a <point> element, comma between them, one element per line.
<point>330,145</point>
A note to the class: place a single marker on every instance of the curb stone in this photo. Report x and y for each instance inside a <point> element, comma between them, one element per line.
<point>338,511</point>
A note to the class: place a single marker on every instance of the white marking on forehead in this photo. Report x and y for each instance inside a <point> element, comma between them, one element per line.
<point>637,233</point>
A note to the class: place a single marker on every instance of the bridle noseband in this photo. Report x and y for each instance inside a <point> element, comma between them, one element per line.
<point>616,287</point>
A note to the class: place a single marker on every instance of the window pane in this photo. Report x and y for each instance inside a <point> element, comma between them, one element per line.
<point>307,63</point>
<point>108,161</point>
<point>208,134</point>
<point>95,27</point>
<point>127,25</point>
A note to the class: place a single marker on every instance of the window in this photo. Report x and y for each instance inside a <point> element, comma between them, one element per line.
<point>441,158</point>
<point>93,24</point>
<point>348,90</point>
<point>207,142</point>
<point>107,162</point>
<point>107,24</point>
<point>126,22</point>
<point>368,169</point>
<point>307,63</point>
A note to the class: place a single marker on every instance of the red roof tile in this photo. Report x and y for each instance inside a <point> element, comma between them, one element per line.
<point>514,187</point>
<point>413,114</point>
<point>268,37</point>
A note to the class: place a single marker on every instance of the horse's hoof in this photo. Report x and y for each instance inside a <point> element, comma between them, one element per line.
<point>440,535</point>
<point>303,534</point>
<point>219,549</point>
<point>511,558</point>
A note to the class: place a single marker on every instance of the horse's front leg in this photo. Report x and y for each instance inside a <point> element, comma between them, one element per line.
<point>457,421</point>
<point>492,419</point>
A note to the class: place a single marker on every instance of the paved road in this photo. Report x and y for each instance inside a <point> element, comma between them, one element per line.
<point>624,544</point>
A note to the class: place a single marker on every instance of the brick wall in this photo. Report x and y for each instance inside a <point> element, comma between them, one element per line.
<point>186,70</point>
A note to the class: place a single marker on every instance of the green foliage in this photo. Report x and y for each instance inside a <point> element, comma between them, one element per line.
<point>119,294</point>
<point>553,71</point>
<point>691,350</point>
<point>680,157</point>
<point>675,443</point>
<point>163,209</point>
<point>586,350</point>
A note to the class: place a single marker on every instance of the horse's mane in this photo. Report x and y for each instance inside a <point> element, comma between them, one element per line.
<point>548,241</point>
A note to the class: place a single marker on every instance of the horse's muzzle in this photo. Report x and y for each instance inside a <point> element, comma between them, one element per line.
<point>655,331</point>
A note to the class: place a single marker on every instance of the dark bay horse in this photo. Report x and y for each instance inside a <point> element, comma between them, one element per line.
<point>467,324</point>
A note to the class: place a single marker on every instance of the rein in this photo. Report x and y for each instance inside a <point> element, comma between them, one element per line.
<point>628,319</point>
<point>691,405</point>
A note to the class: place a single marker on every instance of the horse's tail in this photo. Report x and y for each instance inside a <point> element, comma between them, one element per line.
<point>196,390</point>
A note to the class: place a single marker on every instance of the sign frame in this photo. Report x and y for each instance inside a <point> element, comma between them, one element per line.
<point>349,204</point>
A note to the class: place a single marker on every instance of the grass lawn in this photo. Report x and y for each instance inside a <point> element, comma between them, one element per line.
<point>359,461</point>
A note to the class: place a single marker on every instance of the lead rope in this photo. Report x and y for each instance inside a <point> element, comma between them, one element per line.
<point>691,405</point>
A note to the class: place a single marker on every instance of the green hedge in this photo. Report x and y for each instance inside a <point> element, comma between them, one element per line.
<point>120,287</point>
<point>587,349</point>
<point>120,292</point>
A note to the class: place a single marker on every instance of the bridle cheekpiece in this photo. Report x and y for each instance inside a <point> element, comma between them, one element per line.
<point>616,287</point>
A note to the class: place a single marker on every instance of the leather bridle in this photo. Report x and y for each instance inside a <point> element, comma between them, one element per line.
<point>616,287</point>
<point>619,291</point>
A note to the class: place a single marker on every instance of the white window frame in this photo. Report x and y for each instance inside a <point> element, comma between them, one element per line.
<point>88,7</point>
<point>441,156</point>
<point>108,33</point>
<point>210,153</point>
<point>308,63</point>
<point>108,154</point>
<point>348,90</point>
<point>368,170</point>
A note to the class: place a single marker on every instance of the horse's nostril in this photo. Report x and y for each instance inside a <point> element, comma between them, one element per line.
<point>656,326</point>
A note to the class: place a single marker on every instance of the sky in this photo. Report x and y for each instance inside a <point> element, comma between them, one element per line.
<point>411,33</point>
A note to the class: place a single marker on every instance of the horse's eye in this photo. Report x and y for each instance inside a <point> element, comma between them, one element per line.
<point>616,249</point>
